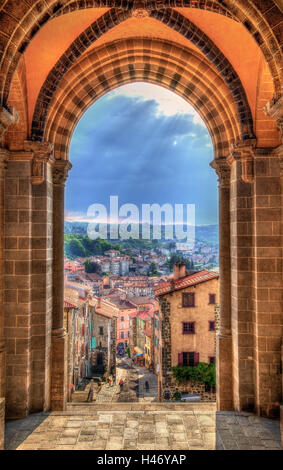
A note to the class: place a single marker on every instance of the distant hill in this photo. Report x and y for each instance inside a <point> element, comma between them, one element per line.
<point>207,233</point>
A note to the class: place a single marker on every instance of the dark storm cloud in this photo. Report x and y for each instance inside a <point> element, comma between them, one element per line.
<point>123,147</point>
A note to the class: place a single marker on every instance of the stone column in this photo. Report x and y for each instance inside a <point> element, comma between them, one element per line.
<point>270,374</point>
<point>242,274</point>
<point>4,156</point>
<point>6,119</point>
<point>41,270</point>
<point>3,160</point>
<point>224,381</point>
<point>268,289</point>
<point>59,342</point>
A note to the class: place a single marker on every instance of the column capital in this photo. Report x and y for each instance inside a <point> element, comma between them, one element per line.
<point>42,152</point>
<point>274,109</point>
<point>244,151</point>
<point>61,170</point>
<point>7,118</point>
<point>223,171</point>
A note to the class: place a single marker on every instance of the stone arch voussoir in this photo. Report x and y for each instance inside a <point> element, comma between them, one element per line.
<point>101,71</point>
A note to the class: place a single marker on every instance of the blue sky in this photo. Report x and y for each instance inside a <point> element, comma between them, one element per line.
<point>145,145</point>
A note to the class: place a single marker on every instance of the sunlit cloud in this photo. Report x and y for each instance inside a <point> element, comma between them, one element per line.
<point>168,103</point>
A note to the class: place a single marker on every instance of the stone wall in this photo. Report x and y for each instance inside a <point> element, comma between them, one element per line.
<point>113,333</point>
<point>166,361</point>
<point>192,388</point>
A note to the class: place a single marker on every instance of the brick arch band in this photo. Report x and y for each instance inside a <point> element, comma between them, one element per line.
<point>171,19</point>
<point>19,25</point>
<point>156,61</point>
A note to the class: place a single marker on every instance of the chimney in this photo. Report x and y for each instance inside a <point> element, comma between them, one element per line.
<point>179,270</point>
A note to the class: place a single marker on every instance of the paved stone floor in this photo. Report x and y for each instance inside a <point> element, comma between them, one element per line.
<point>141,426</point>
<point>143,376</point>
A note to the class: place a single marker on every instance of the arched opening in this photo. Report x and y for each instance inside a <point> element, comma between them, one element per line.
<point>58,60</point>
<point>143,146</point>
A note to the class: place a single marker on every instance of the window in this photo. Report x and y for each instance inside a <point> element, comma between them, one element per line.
<point>122,335</point>
<point>188,358</point>
<point>189,299</point>
<point>188,328</point>
<point>101,330</point>
<point>211,326</point>
<point>212,299</point>
<point>211,360</point>
<point>122,326</point>
<point>122,318</point>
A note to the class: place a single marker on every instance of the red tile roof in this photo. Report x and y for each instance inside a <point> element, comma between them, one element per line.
<point>186,281</point>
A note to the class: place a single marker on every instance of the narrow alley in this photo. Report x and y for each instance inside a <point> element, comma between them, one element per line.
<point>134,387</point>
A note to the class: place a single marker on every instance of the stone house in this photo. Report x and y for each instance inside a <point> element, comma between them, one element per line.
<point>103,341</point>
<point>187,311</point>
<point>77,325</point>
<point>104,317</point>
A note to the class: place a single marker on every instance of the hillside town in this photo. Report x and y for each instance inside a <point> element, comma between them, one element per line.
<point>127,327</point>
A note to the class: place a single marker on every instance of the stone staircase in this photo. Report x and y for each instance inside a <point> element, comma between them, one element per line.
<point>88,408</point>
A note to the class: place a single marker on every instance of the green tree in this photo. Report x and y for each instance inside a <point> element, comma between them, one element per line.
<point>76,248</point>
<point>91,267</point>
<point>152,270</point>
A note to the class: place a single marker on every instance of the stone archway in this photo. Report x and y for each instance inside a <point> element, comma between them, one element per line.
<point>35,172</point>
<point>18,30</point>
<point>236,384</point>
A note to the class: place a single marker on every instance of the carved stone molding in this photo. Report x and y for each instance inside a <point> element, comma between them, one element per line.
<point>59,333</point>
<point>274,109</point>
<point>7,119</point>
<point>42,153</point>
<point>61,170</point>
<point>223,171</point>
<point>140,9</point>
<point>244,151</point>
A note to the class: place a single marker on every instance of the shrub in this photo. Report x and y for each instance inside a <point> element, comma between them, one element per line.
<point>203,372</point>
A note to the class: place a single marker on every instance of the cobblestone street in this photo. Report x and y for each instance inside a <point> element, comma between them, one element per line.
<point>134,385</point>
<point>143,426</point>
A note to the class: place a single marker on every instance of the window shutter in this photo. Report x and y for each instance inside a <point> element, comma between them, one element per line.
<point>180,359</point>
<point>196,358</point>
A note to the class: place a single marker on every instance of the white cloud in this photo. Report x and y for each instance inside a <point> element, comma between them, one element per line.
<point>169,103</point>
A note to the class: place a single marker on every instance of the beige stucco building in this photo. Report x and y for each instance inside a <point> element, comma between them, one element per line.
<point>187,310</point>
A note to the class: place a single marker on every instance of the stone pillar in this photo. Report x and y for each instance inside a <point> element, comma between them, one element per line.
<point>6,119</point>
<point>3,160</point>
<point>242,275</point>
<point>268,292</point>
<point>59,342</point>
<point>17,283</point>
<point>41,270</point>
<point>224,381</point>
<point>4,156</point>
<point>269,375</point>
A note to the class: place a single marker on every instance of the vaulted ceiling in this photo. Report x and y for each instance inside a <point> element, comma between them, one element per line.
<point>35,36</point>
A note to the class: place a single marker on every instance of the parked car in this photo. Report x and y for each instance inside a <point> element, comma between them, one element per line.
<point>190,398</point>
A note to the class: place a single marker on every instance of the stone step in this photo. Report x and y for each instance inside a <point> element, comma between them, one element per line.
<point>88,408</point>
